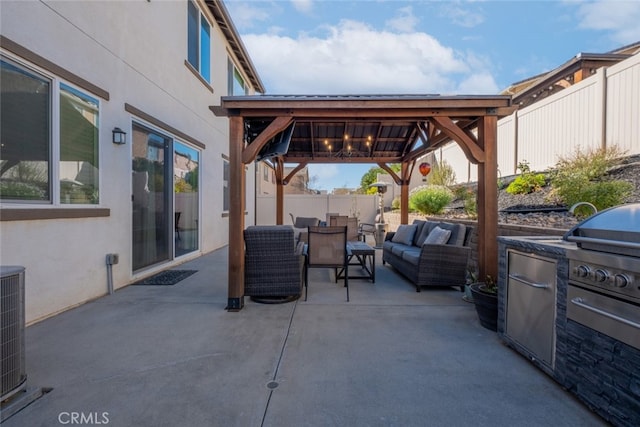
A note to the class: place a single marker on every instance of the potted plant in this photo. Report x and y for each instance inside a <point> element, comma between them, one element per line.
<point>485,299</point>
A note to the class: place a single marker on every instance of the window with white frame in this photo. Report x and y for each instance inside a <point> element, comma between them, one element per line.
<point>199,41</point>
<point>49,133</point>
<point>237,85</point>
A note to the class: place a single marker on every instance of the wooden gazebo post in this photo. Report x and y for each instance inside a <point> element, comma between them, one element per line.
<point>488,198</point>
<point>237,192</point>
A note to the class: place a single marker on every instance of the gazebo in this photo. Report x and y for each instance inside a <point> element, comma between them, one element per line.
<point>378,129</point>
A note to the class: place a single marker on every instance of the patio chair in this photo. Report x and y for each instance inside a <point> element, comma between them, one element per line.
<point>353,231</point>
<point>274,264</point>
<point>327,248</point>
<point>300,225</point>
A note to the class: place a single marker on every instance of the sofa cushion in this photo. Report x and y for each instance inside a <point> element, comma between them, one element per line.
<point>438,236</point>
<point>398,248</point>
<point>457,232</point>
<point>419,226</point>
<point>412,255</point>
<point>404,234</point>
<point>426,229</point>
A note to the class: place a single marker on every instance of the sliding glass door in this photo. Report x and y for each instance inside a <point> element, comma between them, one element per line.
<point>165,198</point>
<point>186,165</point>
<point>151,199</point>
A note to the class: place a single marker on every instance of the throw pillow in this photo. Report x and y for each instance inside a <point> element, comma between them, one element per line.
<point>404,234</point>
<point>457,232</point>
<point>438,236</point>
<point>428,226</point>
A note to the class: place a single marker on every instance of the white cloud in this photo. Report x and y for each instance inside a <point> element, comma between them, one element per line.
<point>621,18</point>
<point>404,22</point>
<point>462,16</point>
<point>245,14</point>
<point>351,58</point>
<point>324,174</point>
<point>304,6</point>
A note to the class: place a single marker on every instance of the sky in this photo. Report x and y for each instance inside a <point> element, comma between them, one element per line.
<point>472,47</point>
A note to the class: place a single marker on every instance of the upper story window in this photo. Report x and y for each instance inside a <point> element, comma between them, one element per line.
<point>199,41</point>
<point>237,85</point>
<point>49,132</point>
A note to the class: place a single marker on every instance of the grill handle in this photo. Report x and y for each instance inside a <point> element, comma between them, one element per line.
<point>617,243</point>
<point>524,281</point>
<point>581,303</point>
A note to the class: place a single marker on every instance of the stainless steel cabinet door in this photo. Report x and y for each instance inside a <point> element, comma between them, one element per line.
<point>531,302</point>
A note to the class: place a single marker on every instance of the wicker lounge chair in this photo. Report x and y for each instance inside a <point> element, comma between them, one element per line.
<point>274,264</point>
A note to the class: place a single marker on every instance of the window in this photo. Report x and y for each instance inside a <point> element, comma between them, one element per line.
<point>78,147</point>
<point>199,41</point>
<point>266,172</point>
<point>225,185</point>
<point>31,140</point>
<point>236,82</point>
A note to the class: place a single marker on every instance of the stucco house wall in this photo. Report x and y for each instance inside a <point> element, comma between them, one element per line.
<point>136,51</point>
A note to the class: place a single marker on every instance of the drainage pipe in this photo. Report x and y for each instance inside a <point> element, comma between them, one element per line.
<point>110,260</point>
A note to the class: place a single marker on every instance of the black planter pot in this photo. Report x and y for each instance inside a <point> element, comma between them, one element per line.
<point>486,307</point>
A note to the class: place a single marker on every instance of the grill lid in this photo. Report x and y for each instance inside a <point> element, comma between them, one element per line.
<point>614,230</point>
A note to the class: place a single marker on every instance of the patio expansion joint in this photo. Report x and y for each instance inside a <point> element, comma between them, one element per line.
<point>273,384</point>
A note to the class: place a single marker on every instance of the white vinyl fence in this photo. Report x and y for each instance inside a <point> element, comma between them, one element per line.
<point>363,206</point>
<point>600,111</point>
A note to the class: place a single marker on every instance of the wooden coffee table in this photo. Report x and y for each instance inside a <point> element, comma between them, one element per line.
<point>365,257</point>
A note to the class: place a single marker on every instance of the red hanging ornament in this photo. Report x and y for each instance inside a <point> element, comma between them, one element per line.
<point>424,168</point>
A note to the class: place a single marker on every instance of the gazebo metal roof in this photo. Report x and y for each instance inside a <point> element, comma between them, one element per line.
<point>380,129</point>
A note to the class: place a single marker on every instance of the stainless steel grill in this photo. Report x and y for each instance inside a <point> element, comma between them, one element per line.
<point>604,274</point>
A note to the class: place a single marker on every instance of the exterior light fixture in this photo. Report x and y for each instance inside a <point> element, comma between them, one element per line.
<point>119,136</point>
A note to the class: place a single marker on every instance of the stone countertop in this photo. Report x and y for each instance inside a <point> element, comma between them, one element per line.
<point>540,244</point>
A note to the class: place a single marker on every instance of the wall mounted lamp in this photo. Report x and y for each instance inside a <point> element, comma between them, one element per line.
<point>119,136</point>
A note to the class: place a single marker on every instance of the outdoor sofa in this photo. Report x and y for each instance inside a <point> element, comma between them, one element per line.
<point>429,253</point>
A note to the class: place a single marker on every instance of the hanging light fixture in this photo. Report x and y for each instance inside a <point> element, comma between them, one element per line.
<point>349,147</point>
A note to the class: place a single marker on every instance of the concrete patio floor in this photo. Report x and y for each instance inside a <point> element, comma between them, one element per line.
<point>172,356</point>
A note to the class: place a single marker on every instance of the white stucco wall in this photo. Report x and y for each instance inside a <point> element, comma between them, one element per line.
<point>136,51</point>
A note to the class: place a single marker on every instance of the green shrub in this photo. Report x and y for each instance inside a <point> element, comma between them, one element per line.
<point>580,177</point>
<point>592,163</point>
<point>430,200</point>
<point>443,174</point>
<point>602,194</point>
<point>527,182</point>
<point>395,203</point>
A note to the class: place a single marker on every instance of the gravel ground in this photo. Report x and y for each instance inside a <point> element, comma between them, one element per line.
<point>629,171</point>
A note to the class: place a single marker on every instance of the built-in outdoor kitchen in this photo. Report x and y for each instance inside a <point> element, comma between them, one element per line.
<point>571,305</point>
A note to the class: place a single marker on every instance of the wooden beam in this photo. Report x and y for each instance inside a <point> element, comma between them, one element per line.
<point>342,160</point>
<point>237,181</point>
<point>279,173</point>
<point>468,145</point>
<point>391,172</point>
<point>297,169</point>
<point>406,171</point>
<point>488,199</point>
<point>277,125</point>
